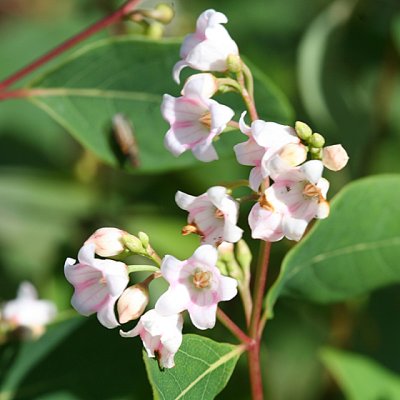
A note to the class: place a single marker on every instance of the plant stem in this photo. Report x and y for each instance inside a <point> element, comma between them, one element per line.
<point>142,268</point>
<point>230,325</point>
<point>258,296</point>
<point>248,99</point>
<point>107,21</point>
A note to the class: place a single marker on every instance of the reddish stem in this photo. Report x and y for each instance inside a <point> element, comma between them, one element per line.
<point>229,324</point>
<point>253,356</point>
<point>109,20</point>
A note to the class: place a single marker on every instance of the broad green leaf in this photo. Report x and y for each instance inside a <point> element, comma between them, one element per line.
<point>355,250</point>
<point>203,368</point>
<point>361,378</point>
<point>129,76</point>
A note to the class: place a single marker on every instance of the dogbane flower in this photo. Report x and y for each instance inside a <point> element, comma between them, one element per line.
<point>196,285</point>
<point>296,197</point>
<point>108,241</point>
<point>195,119</point>
<point>208,48</point>
<point>213,215</point>
<point>98,284</point>
<point>266,140</point>
<point>27,311</point>
<point>161,336</point>
<point>334,157</point>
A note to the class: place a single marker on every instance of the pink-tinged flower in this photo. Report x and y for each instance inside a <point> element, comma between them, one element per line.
<point>334,157</point>
<point>132,302</point>
<point>213,215</point>
<point>297,196</point>
<point>266,140</point>
<point>196,285</point>
<point>107,241</point>
<point>98,284</point>
<point>208,48</point>
<point>27,311</point>
<point>161,336</point>
<point>195,120</point>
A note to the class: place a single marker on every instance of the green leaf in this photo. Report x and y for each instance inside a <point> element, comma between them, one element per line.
<point>361,378</point>
<point>129,76</point>
<point>202,369</point>
<point>355,250</point>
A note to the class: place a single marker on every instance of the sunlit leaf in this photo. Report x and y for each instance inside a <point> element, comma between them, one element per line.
<point>203,368</point>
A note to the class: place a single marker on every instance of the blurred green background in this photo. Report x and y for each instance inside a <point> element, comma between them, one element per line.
<point>337,62</point>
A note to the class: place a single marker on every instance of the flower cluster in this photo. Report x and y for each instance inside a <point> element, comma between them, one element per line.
<point>196,285</point>
<point>293,158</point>
<point>285,181</point>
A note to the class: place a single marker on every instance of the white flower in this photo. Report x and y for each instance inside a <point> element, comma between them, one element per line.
<point>334,157</point>
<point>208,48</point>
<point>98,284</point>
<point>108,241</point>
<point>213,215</point>
<point>161,336</point>
<point>196,285</point>
<point>297,196</point>
<point>195,119</point>
<point>132,302</point>
<point>27,311</point>
<point>266,140</point>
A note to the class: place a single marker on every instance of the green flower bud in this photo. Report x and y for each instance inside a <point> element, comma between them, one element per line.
<point>316,153</point>
<point>133,244</point>
<point>303,131</point>
<point>155,30</point>
<point>234,63</point>
<point>317,140</point>
<point>243,254</point>
<point>144,239</point>
<point>164,13</point>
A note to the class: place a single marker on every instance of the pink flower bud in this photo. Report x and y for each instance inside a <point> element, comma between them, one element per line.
<point>107,241</point>
<point>334,157</point>
<point>294,154</point>
<point>132,303</point>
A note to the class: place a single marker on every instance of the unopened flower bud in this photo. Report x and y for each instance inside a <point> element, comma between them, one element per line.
<point>334,157</point>
<point>225,251</point>
<point>226,257</point>
<point>316,153</point>
<point>303,131</point>
<point>155,30</point>
<point>317,140</point>
<point>234,63</point>
<point>132,303</point>
<point>133,244</point>
<point>294,154</point>
<point>163,13</point>
<point>108,241</point>
<point>144,239</point>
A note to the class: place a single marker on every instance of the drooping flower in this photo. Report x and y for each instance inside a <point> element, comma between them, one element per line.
<point>132,302</point>
<point>27,311</point>
<point>213,215</point>
<point>195,119</point>
<point>98,284</point>
<point>107,241</point>
<point>196,285</point>
<point>266,140</point>
<point>208,48</point>
<point>161,336</point>
<point>334,157</point>
<point>296,197</point>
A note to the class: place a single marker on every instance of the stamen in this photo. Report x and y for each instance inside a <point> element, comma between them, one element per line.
<point>201,279</point>
<point>264,203</point>
<point>218,213</point>
<point>190,228</point>
<point>311,190</point>
<point>205,119</point>
<point>102,281</point>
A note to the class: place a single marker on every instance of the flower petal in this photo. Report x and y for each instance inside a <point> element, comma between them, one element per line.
<point>173,301</point>
<point>227,289</point>
<point>171,269</point>
<point>184,200</point>
<point>312,170</point>
<point>176,71</point>
<point>203,317</point>
<point>106,314</point>
<point>294,228</point>
<point>205,255</point>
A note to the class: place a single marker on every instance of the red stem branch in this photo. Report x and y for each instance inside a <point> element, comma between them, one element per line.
<point>230,325</point>
<point>109,20</point>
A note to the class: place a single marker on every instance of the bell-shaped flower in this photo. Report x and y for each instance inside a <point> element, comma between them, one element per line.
<point>98,284</point>
<point>132,302</point>
<point>196,285</point>
<point>161,336</point>
<point>266,140</point>
<point>296,197</point>
<point>208,48</point>
<point>195,119</point>
<point>212,215</point>
<point>107,241</point>
<point>27,311</point>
